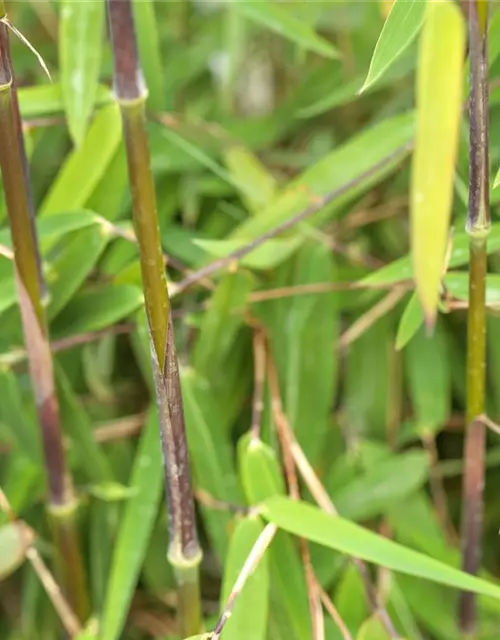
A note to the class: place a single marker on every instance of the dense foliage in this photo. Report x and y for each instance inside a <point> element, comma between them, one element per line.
<point>311,164</point>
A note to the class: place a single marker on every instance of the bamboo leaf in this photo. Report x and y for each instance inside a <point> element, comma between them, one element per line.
<point>47,99</point>
<point>76,422</point>
<point>368,156</point>
<point>496,183</point>
<point>262,478</point>
<point>221,323</point>
<point>439,109</point>
<point>98,308</point>
<point>80,47</point>
<point>457,285</point>
<point>334,532</point>
<point>411,321</point>
<point>271,16</point>
<point>72,266</point>
<point>150,52</point>
<point>85,165</point>
<point>266,256</point>
<point>259,186</point>
<point>382,486</point>
<point>249,616</point>
<point>402,269</point>
<point>427,365</point>
<point>400,29</point>
<point>213,467</point>
<point>135,529</point>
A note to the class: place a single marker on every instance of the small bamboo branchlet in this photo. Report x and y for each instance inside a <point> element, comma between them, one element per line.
<point>184,551</point>
<point>478,226</point>
<point>62,505</point>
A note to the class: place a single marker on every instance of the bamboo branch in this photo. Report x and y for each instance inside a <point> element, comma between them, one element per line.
<point>184,552</point>
<point>62,506</point>
<point>478,226</point>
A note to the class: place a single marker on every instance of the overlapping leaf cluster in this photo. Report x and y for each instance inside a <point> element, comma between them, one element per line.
<point>260,114</point>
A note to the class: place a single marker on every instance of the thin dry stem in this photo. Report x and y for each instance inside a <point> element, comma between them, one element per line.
<point>369,318</point>
<point>334,613</point>
<point>254,557</point>
<point>315,610</point>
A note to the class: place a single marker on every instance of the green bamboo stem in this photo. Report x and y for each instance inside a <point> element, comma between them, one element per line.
<point>478,226</point>
<point>184,552</point>
<point>61,502</point>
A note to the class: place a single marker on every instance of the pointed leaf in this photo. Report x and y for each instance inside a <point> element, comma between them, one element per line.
<point>411,321</point>
<point>135,529</point>
<point>439,109</point>
<point>401,27</point>
<point>302,519</point>
<point>14,540</point>
<point>278,19</point>
<point>81,33</point>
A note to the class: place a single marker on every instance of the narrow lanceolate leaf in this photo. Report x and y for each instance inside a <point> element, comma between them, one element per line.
<point>342,535</point>
<point>81,35</point>
<point>403,24</point>
<point>249,616</point>
<point>439,93</point>
<point>496,183</point>
<point>275,18</point>
<point>135,528</point>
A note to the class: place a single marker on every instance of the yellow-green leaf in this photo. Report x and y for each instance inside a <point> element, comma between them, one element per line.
<point>439,107</point>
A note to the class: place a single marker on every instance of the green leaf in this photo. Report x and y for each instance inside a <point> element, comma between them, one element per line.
<point>267,256</point>
<point>367,157</point>
<point>457,285</point>
<point>411,321</point>
<point>249,616</point>
<point>439,110</point>
<point>47,99</point>
<point>373,629</point>
<point>259,187</point>
<point>306,370</point>
<point>261,477</point>
<point>72,266</point>
<point>98,308</point>
<point>270,15</point>
<point>135,529</point>
<point>211,455</point>
<point>401,27</point>
<point>221,323</point>
<point>302,519</point>
<point>112,491</point>
<point>13,544</point>
<point>85,165</point>
<point>497,180</point>
<point>81,32</point>
<point>382,485</point>
<point>78,425</point>
<point>148,36</point>
<point>427,366</point>
<point>401,269</point>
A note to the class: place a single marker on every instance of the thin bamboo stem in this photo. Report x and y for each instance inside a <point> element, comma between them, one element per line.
<point>478,226</point>
<point>62,507</point>
<point>184,552</point>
